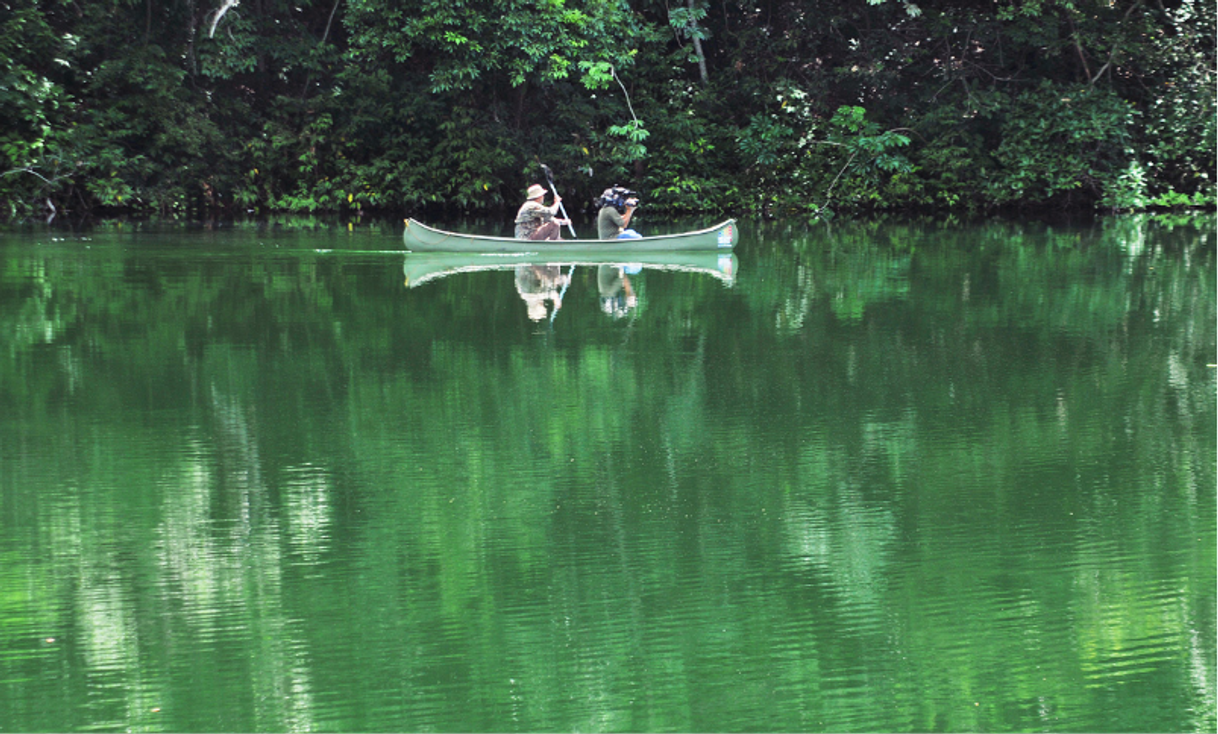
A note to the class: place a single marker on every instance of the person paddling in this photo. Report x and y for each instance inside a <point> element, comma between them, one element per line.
<point>535,221</point>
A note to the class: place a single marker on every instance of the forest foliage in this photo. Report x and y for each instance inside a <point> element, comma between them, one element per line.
<point>439,108</point>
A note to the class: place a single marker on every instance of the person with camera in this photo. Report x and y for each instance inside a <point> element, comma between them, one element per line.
<point>535,221</point>
<point>617,206</point>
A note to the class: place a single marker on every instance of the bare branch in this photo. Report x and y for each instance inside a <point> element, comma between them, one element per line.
<point>27,170</point>
<point>698,47</point>
<point>1091,80</point>
<point>227,6</point>
<point>326,35</point>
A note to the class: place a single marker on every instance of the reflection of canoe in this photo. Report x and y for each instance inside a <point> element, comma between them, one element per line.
<point>422,267</point>
<point>421,238</point>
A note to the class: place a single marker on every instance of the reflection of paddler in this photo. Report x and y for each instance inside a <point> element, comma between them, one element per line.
<point>537,284</point>
<point>613,285</point>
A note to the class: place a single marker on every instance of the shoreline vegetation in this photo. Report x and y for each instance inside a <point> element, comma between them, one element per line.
<point>441,110</point>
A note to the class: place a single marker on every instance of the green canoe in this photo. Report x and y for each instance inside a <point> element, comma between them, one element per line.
<point>421,238</point>
<point>424,267</point>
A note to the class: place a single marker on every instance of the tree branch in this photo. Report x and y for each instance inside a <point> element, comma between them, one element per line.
<point>829,193</point>
<point>326,35</point>
<point>1091,80</point>
<point>29,171</point>
<point>227,6</point>
<point>697,46</point>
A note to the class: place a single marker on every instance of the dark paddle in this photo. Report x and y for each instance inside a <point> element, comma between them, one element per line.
<point>561,208</point>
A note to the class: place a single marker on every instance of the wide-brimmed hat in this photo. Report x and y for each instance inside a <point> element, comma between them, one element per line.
<point>535,192</point>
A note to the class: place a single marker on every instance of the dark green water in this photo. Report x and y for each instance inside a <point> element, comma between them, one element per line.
<point>859,478</point>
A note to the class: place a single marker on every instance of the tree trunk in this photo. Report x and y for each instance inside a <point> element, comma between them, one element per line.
<point>698,51</point>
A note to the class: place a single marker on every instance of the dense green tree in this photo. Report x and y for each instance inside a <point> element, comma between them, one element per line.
<point>32,96</point>
<point>445,107</point>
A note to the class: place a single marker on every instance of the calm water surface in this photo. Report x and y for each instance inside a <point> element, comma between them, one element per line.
<point>855,478</point>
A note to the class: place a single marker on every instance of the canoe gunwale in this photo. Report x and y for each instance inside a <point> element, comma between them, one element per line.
<point>419,237</point>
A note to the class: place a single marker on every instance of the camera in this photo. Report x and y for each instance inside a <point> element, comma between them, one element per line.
<point>618,197</point>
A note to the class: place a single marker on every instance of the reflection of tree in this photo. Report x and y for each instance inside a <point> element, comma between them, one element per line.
<point>894,464</point>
